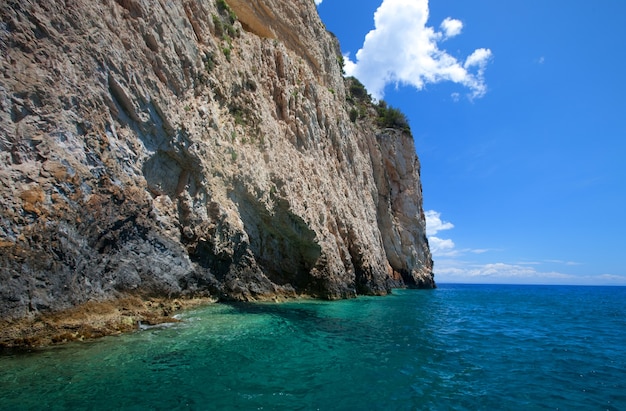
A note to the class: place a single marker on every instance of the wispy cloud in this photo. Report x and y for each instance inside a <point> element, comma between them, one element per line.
<point>494,272</point>
<point>462,271</point>
<point>454,264</point>
<point>558,262</point>
<point>569,263</point>
<point>402,49</point>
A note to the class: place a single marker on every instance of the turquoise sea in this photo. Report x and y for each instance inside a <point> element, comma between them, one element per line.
<point>459,347</point>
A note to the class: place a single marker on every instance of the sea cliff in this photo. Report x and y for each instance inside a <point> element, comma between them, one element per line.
<point>197,148</point>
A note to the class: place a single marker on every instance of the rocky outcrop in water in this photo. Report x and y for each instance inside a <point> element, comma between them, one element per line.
<point>196,147</point>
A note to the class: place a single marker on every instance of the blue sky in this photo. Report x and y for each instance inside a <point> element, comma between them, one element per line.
<point>518,110</point>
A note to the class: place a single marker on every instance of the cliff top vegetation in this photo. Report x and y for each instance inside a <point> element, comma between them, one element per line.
<point>386,115</point>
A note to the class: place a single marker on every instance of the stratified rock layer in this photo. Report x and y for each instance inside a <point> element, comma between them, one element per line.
<point>168,148</point>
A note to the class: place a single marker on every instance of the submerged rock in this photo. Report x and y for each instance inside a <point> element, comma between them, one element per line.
<point>194,148</point>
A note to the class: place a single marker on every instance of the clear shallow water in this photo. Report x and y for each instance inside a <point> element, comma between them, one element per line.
<point>460,347</point>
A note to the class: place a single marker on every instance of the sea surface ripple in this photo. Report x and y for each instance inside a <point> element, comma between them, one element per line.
<point>459,347</point>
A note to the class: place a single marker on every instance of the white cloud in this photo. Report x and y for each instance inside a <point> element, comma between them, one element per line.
<point>318,2</point>
<point>509,271</point>
<point>450,271</point>
<point>441,247</point>
<point>451,27</point>
<point>434,224</point>
<point>438,246</point>
<point>402,49</point>
<point>459,271</point>
<point>349,66</point>
<point>454,265</point>
<point>478,58</point>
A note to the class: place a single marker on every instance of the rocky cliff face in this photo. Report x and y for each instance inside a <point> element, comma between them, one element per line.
<point>193,147</point>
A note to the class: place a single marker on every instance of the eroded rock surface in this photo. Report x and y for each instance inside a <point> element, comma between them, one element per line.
<point>171,148</point>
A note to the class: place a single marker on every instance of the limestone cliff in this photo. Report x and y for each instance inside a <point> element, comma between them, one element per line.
<point>193,147</point>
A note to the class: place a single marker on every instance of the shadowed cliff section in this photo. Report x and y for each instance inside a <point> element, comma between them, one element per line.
<point>176,149</point>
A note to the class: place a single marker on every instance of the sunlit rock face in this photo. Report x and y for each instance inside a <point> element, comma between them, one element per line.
<point>193,147</point>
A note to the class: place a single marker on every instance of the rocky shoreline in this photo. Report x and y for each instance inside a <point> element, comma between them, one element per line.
<point>92,320</point>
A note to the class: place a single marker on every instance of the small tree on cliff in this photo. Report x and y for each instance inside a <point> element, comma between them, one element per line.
<point>391,117</point>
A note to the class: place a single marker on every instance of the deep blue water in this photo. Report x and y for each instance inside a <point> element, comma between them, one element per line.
<point>460,347</point>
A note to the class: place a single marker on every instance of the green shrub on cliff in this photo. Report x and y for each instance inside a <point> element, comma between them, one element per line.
<point>342,64</point>
<point>224,8</point>
<point>391,117</point>
<point>358,91</point>
<point>354,114</point>
<point>358,97</point>
<point>361,102</point>
<point>224,23</point>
